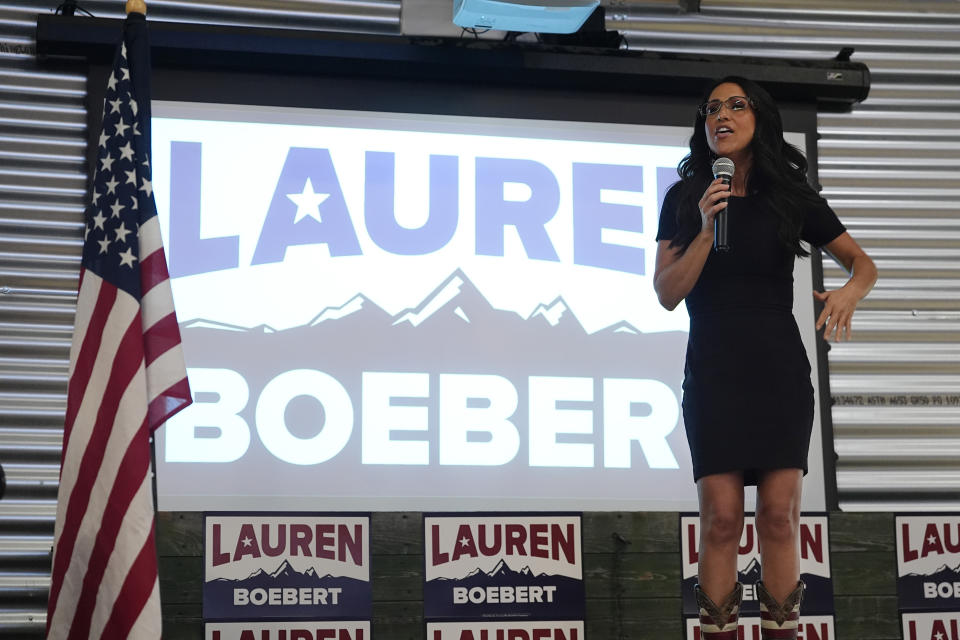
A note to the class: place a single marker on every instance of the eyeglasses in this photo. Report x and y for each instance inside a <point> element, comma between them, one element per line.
<point>733,103</point>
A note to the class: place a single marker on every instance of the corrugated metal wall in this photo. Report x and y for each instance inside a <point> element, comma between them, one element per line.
<point>42,145</point>
<point>891,169</point>
<point>42,186</point>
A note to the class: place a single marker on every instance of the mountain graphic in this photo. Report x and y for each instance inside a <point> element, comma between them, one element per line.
<point>454,323</point>
<point>498,573</point>
<point>944,573</point>
<point>456,296</point>
<point>284,575</point>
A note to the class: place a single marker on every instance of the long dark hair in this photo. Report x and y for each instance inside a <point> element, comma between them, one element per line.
<point>778,174</point>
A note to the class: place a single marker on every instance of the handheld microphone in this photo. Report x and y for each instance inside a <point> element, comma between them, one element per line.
<point>722,168</point>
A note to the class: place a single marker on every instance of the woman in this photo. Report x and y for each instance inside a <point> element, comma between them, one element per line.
<point>748,401</point>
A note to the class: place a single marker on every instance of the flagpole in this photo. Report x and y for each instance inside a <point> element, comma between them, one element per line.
<point>139,6</point>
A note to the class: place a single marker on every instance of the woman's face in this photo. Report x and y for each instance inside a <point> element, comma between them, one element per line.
<point>730,130</point>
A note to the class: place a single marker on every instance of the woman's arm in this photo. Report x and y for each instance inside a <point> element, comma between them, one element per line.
<point>839,304</point>
<point>676,273</point>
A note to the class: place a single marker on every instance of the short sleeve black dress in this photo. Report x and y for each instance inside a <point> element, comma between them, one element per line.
<point>747,397</point>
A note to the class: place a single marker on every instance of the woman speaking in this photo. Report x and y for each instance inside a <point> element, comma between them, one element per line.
<point>747,397</point>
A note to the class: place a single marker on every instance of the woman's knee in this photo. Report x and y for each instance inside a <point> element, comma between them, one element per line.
<point>722,526</point>
<point>777,523</point>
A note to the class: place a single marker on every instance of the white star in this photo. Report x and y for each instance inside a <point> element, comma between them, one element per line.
<point>126,73</point>
<point>931,540</point>
<point>86,233</point>
<point>146,162</point>
<point>147,186</point>
<point>133,105</point>
<point>136,129</point>
<point>117,208</point>
<point>134,205</point>
<point>121,127</point>
<point>126,151</point>
<point>94,197</point>
<point>939,635</point>
<point>115,104</point>
<point>98,220</point>
<point>103,138</point>
<point>112,184</point>
<point>106,162</point>
<point>464,541</point>
<point>308,202</point>
<point>246,541</point>
<point>123,50</point>
<point>122,232</point>
<point>104,244</point>
<point>127,257</point>
<point>131,177</point>
<point>112,82</point>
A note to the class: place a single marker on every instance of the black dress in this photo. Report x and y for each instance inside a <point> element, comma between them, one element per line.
<point>747,397</point>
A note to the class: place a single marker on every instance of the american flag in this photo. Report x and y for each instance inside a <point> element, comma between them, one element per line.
<point>126,377</point>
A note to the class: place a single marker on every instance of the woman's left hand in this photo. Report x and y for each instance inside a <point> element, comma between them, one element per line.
<point>837,314</point>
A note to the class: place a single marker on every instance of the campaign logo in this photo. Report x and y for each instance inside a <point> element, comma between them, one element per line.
<point>541,630</point>
<point>260,565</point>
<point>295,630</point>
<point>928,561</point>
<point>814,563</point>
<point>811,627</point>
<point>494,566</point>
<point>943,625</point>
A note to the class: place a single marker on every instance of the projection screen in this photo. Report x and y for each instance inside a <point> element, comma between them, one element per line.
<point>403,311</point>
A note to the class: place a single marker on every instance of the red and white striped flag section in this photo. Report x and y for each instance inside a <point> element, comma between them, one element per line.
<point>127,376</point>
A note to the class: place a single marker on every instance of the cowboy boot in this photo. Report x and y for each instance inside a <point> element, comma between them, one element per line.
<point>779,621</point>
<point>719,623</point>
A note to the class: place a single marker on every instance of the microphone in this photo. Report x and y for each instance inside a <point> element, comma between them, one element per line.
<point>722,168</point>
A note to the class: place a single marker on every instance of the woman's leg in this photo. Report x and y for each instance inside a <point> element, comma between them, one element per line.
<point>778,525</point>
<point>721,524</point>
<point>778,528</point>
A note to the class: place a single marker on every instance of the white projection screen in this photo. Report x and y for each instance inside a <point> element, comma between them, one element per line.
<point>397,311</point>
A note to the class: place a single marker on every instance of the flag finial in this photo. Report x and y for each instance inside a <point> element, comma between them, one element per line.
<point>136,6</point>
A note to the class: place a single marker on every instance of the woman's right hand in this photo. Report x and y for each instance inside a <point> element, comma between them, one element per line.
<point>714,201</point>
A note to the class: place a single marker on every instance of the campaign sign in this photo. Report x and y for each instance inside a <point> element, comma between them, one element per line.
<point>500,565</point>
<point>810,628</point>
<point>942,625</point>
<point>542,630</point>
<point>286,565</point>
<point>814,563</point>
<point>928,561</point>
<point>291,630</point>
